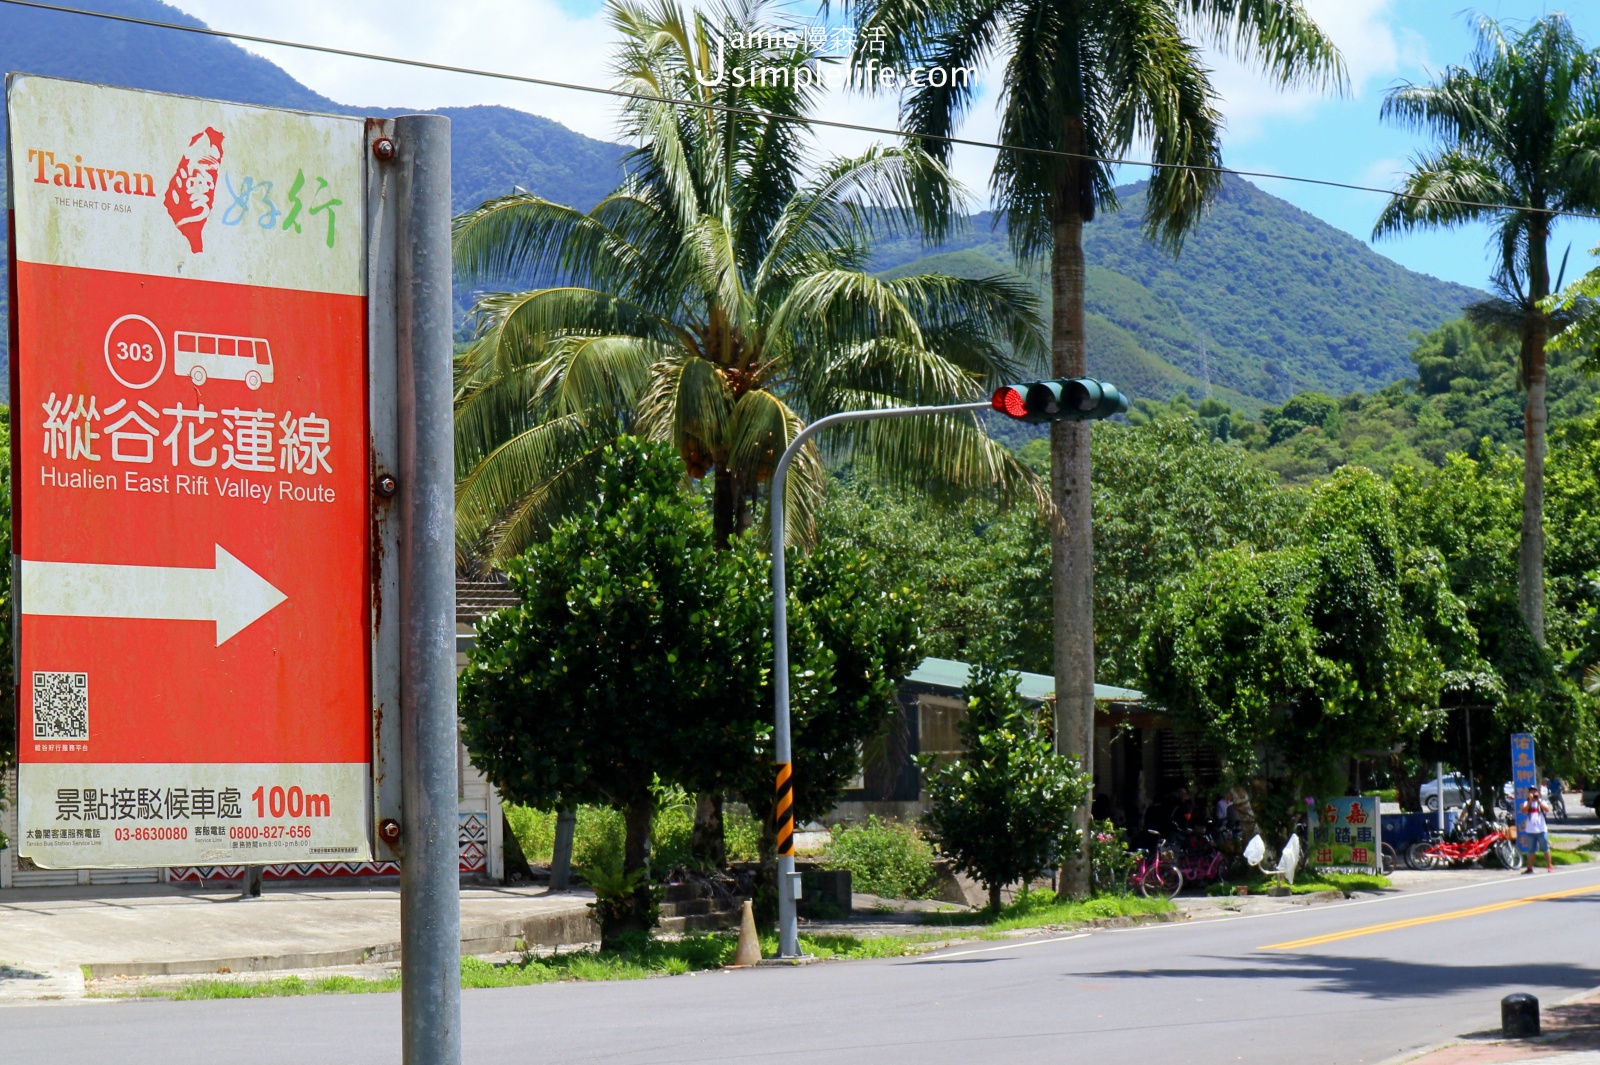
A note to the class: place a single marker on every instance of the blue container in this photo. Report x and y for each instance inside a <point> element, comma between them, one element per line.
<point>1402,830</point>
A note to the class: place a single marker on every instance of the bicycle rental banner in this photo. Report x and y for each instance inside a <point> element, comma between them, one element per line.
<point>1347,835</point>
<point>190,469</point>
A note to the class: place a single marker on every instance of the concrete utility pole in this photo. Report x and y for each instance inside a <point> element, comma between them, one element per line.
<point>783,807</point>
<point>430,902</point>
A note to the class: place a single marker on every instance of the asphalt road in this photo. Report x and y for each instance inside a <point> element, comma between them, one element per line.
<point>1360,981</point>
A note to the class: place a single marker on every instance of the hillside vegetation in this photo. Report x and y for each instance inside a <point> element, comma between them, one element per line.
<point>1463,397</point>
<point>1264,302</point>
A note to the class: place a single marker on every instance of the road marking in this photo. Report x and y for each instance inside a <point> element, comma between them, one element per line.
<point>1015,946</point>
<point>230,594</point>
<point>1390,926</point>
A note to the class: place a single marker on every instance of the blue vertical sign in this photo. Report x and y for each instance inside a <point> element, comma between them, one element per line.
<point>1524,774</point>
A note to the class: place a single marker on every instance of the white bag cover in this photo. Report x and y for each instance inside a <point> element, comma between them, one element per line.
<point>1289,860</point>
<point>1255,850</point>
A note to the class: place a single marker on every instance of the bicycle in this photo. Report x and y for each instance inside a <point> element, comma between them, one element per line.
<point>1473,839</point>
<point>1200,860</point>
<point>1156,874</point>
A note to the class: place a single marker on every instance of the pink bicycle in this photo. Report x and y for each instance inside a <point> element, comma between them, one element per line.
<point>1156,874</point>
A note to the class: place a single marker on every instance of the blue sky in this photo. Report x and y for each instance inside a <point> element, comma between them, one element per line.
<point>1304,133</point>
<point>1344,140</point>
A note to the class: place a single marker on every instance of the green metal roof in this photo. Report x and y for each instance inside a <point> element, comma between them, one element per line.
<point>948,673</point>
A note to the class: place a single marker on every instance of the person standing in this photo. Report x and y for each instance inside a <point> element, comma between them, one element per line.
<point>1535,833</point>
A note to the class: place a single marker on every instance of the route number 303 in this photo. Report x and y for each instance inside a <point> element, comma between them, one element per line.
<point>133,352</point>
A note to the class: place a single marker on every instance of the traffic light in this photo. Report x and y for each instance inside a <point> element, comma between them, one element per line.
<point>1068,399</point>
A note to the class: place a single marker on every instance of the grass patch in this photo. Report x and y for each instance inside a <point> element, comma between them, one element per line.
<point>286,986</point>
<point>1309,884</point>
<point>1042,909</point>
<point>1567,857</point>
<point>647,958</point>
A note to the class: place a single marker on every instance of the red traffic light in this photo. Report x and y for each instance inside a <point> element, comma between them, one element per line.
<point>1072,399</point>
<point>1010,401</point>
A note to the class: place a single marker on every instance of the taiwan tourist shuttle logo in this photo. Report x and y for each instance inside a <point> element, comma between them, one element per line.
<point>205,356</point>
<point>136,355</point>
<point>192,192</point>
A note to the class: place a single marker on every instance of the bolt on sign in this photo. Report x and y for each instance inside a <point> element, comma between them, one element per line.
<point>190,466</point>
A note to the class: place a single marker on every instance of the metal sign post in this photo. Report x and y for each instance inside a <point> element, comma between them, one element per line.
<point>430,903</point>
<point>783,807</point>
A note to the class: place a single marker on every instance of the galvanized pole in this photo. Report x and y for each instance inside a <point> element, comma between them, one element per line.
<point>783,806</point>
<point>430,902</point>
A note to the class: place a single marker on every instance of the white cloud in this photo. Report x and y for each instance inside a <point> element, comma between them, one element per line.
<point>529,37</point>
<point>1375,51</point>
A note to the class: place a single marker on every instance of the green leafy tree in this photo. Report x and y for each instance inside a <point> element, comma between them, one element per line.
<point>1167,496</point>
<point>1004,808</point>
<point>1518,134</point>
<point>1083,81</point>
<point>719,300</point>
<point>852,641</point>
<point>1468,513</point>
<point>1287,662</point>
<point>619,669</point>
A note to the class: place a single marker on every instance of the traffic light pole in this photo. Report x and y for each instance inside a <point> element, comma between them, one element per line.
<point>783,807</point>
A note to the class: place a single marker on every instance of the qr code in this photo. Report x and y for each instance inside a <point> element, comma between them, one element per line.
<point>61,706</point>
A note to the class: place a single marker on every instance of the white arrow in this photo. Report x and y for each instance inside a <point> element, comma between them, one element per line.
<point>230,594</point>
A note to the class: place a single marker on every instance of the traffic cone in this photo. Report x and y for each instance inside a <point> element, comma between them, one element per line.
<point>749,949</point>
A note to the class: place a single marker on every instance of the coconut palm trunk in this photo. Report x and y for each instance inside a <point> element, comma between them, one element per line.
<point>1535,334</point>
<point>1072,537</point>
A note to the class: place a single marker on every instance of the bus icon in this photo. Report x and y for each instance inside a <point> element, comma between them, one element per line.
<point>203,356</point>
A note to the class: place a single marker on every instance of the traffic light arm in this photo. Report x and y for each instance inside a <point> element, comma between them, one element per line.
<point>788,924</point>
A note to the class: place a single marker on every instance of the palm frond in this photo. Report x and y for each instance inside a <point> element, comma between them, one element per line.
<point>1280,35</point>
<point>519,490</point>
<point>1440,191</point>
<point>529,240</point>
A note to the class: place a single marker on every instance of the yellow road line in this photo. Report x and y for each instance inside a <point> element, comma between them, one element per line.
<point>1390,926</point>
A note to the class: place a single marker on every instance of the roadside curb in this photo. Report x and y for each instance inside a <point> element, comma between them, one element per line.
<point>572,928</point>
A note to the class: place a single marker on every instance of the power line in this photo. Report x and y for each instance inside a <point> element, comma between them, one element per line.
<point>768,116</point>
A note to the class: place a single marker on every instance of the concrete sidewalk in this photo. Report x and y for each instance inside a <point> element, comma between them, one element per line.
<point>1570,1035</point>
<point>49,939</point>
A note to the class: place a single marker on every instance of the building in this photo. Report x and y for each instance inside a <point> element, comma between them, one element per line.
<point>1137,757</point>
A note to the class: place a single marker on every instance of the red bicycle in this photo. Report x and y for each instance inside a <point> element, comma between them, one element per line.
<point>1477,840</point>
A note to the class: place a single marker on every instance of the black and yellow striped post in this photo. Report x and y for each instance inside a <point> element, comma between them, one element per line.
<point>783,810</point>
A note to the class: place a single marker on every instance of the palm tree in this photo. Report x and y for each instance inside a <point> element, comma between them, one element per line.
<point>720,299</point>
<point>1085,80</point>
<point>1518,125</point>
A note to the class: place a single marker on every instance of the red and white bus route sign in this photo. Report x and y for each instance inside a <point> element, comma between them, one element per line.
<point>190,467</point>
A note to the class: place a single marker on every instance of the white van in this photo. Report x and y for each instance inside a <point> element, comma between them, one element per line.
<point>202,356</point>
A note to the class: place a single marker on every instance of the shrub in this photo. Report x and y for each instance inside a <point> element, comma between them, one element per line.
<point>1003,808</point>
<point>884,858</point>
<point>742,830</point>
<point>597,840</point>
<point>1110,860</point>
<point>674,826</point>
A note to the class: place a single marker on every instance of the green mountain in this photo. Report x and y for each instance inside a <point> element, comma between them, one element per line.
<point>1264,301</point>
